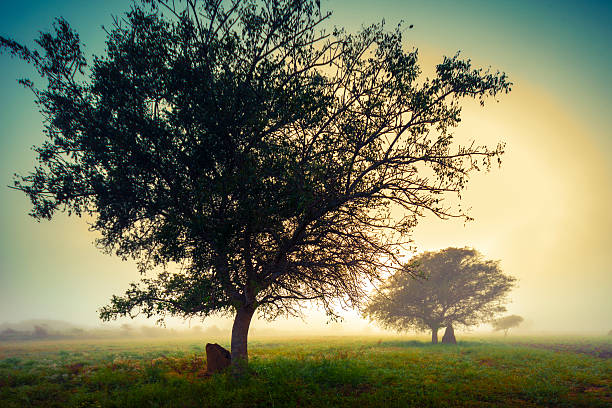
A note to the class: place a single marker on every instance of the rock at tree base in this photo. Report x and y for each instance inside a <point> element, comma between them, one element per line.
<point>217,358</point>
<point>449,336</point>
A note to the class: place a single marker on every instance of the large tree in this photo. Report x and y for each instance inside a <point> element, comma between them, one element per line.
<point>246,158</point>
<point>451,287</point>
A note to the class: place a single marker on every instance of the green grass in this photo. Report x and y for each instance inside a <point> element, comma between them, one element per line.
<point>342,371</point>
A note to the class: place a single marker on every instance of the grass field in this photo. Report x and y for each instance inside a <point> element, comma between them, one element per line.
<point>312,372</point>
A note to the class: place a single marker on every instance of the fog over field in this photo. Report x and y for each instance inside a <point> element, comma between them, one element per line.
<point>545,214</point>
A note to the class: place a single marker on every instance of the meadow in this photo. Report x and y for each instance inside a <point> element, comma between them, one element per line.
<point>398,371</point>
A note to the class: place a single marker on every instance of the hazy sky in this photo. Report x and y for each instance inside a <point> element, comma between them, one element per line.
<point>545,214</point>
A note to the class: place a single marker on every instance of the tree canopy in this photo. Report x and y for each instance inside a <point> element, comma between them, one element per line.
<point>452,287</point>
<point>244,156</point>
<point>506,323</point>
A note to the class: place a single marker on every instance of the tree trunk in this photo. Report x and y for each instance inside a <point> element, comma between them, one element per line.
<point>449,335</point>
<point>434,335</point>
<point>240,333</point>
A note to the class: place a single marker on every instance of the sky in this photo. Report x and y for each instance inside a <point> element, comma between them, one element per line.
<point>545,214</point>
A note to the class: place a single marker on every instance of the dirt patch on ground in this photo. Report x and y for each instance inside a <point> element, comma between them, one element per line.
<point>597,350</point>
<point>600,391</point>
<point>486,362</point>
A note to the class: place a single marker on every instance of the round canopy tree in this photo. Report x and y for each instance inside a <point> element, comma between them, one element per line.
<point>506,323</point>
<point>244,144</point>
<point>451,287</point>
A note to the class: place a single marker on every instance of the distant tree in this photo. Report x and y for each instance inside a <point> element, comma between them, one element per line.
<point>452,287</point>
<point>506,323</point>
<point>213,331</point>
<point>259,153</point>
<point>153,331</point>
<point>127,329</point>
<point>40,332</point>
<point>76,331</point>
<point>9,333</point>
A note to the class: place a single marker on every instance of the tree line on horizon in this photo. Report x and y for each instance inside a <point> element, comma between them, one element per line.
<point>56,330</point>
